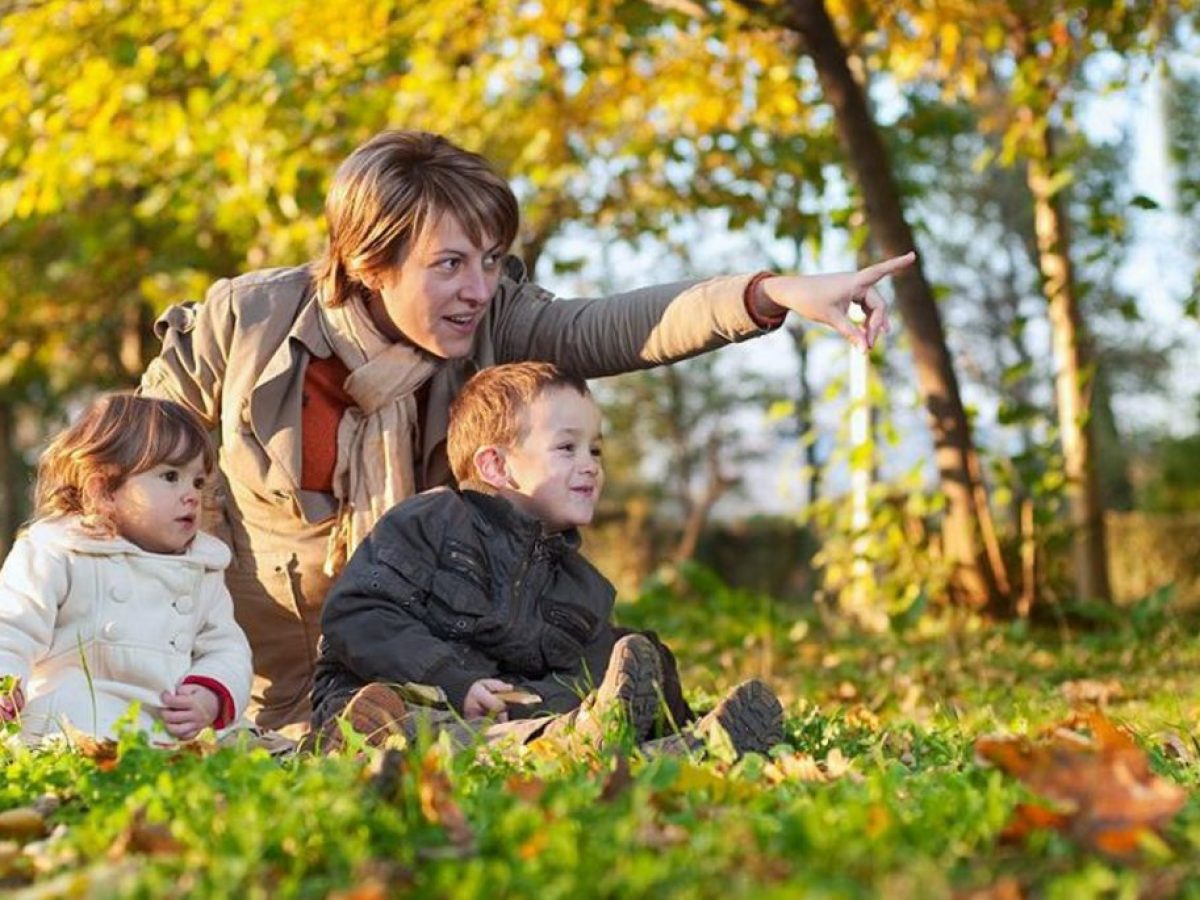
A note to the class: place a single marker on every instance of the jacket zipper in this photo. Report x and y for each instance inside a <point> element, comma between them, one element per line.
<point>470,568</point>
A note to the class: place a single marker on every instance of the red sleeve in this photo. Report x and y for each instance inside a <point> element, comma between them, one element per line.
<point>748,300</point>
<point>224,698</point>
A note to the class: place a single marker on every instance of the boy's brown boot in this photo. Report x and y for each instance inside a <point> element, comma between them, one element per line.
<point>749,719</point>
<point>375,711</point>
<point>750,716</point>
<point>631,687</point>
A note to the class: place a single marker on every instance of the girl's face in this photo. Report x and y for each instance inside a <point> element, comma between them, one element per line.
<point>159,509</point>
<point>439,292</point>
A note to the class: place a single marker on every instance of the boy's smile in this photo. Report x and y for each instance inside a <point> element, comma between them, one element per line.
<point>554,470</point>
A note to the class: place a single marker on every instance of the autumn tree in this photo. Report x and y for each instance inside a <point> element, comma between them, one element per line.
<point>1020,65</point>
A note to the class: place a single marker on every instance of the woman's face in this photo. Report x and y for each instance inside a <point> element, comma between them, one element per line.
<point>438,293</point>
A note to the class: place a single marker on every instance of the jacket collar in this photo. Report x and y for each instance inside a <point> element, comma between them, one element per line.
<point>67,533</point>
<point>500,514</point>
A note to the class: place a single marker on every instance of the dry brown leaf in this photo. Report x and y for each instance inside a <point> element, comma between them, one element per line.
<point>440,807</point>
<point>385,774</point>
<point>659,835</point>
<point>1006,888</point>
<point>103,751</point>
<point>794,767</point>
<point>617,782</point>
<point>1089,691</point>
<point>529,790</point>
<point>1175,747</point>
<point>1101,790</point>
<point>836,764</point>
<point>23,823</point>
<point>145,838</point>
<point>367,889</point>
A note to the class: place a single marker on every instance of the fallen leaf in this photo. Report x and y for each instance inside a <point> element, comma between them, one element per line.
<point>22,823</point>
<point>1006,888</point>
<point>385,774</point>
<point>794,767</point>
<point>367,889</point>
<point>658,836</point>
<point>145,839</point>
<point>1100,789</point>
<point>439,806</point>
<point>617,782</point>
<point>1088,691</point>
<point>529,790</point>
<point>102,751</point>
<point>15,868</point>
<point>836,764</point>
<point>1175,747</point>
<point>534,845</point>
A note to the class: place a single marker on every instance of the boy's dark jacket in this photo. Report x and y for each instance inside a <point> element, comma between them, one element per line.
<point>453,587</point>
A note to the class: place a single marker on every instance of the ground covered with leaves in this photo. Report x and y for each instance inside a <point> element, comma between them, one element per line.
<point>949,758</point>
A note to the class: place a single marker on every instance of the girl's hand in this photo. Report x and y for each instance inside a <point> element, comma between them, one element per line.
<point>481,700</point>
<point>827,299</point>
<point>189,710</point>
<point>12,702</point>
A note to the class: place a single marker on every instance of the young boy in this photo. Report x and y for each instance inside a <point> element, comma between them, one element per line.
<point>480,603</point>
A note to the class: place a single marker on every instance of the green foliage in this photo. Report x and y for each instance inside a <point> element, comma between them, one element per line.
<point>891,800</point>
<point>1173,482</point>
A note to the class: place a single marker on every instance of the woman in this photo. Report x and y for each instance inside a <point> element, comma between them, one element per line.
<point>331,383</point>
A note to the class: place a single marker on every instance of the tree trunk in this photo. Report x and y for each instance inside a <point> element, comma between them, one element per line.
<point>1074,379</point>
<point>699,508</point>
<point>979,576</point>
<point>804,417</point>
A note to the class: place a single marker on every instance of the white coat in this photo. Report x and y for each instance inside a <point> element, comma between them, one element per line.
<point>91,625</point>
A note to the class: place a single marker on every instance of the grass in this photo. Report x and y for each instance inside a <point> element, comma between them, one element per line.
<point>880,795</point>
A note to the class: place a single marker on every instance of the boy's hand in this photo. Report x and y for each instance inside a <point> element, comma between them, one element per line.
<point>481,700</point>
<point>189,710</point>
<point>828,298</point>
<point>12,702</point>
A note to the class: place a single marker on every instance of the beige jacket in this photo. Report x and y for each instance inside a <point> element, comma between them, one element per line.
<point>75,607</point>
<point>238,360</point>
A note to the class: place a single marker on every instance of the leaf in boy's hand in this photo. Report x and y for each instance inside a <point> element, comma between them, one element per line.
<point>22,823</point>
<point>423,695</point>
<point>519,698</point>
<point>1101,790</point>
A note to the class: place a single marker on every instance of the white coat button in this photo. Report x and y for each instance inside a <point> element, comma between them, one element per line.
<point>179,643</point>
<point>111,631</point>
<point>115,595</point>
<point>183,605</point>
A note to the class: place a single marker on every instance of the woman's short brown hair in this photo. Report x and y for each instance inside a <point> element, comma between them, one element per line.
<point>490,409</point>
<point>393,187</point>
<point>117,436</point>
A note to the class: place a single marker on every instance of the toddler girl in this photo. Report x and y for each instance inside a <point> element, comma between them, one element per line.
<point>112,595</point>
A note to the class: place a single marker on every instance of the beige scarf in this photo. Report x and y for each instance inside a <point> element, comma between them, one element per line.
<point>376,437</point>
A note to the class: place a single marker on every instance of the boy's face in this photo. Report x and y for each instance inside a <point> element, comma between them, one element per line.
<point>554,471</point>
